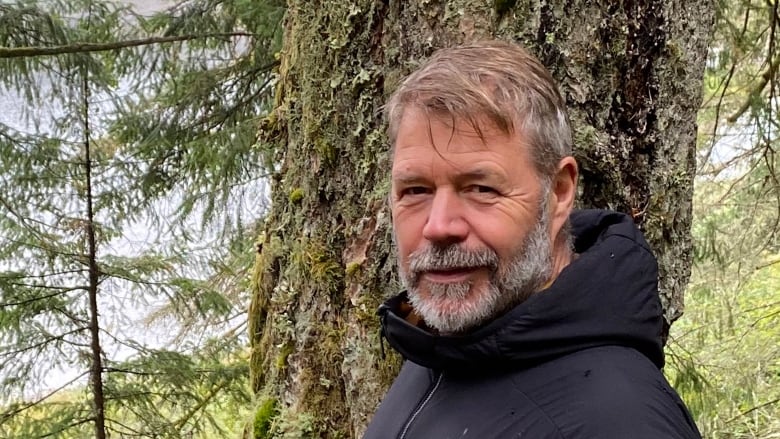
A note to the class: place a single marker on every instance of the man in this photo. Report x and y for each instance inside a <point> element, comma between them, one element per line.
<point>521,318</point>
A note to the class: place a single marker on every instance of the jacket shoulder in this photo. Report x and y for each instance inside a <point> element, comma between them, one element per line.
<point>607,392</point>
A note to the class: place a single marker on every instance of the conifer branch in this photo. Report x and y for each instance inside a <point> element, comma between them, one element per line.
<point>130,372</point>
<point>60,292</point>
<point>8,415</point>
<point>128,432</point>
<point>214,392</point>
<point>757,89</point>
<point>45,342</point>
<point>67,427</point>
<point>33,51</point>
<point>725,87</point>
<point>752,409</point>
<point>4,276</point>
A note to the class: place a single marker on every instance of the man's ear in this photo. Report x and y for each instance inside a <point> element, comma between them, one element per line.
<point>563,191</point>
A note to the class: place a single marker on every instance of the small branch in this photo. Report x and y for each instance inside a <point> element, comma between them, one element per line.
<point>67,427</point>
<point>749,411</point>
<point>8,415</point>
<point>766,317</point>
<point>44,275</point>
<point>759,87</point>
<point>767,264</point>
<point>130,372</point>
<point>129,431</point>
<point>36,299</point>
<point>214,392</point>
<point>21,52</point>
<point>725,86</point>
<point>44,343</point>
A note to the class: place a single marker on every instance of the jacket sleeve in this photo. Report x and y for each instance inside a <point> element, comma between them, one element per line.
<point>646,412</point>
<point>612,393</point>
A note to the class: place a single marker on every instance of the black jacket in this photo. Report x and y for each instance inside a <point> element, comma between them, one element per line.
<point>580,359</point>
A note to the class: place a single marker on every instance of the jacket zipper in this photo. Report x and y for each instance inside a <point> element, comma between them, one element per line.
<point>420,407</point>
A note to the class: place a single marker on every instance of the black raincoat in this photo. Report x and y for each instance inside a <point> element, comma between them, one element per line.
<point>580,359</point>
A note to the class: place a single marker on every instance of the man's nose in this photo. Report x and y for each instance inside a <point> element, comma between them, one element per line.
<point>445,224</point>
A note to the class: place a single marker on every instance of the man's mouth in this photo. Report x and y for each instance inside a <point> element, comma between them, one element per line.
<point>449,275</point>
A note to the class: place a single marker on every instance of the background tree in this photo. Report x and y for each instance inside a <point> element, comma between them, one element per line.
<point>631,73</point>
<point>136,124</point>
<point>724,358</point>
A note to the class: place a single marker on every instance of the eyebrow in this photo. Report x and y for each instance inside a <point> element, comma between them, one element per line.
<point>480,174</point>
<point>407,178</point>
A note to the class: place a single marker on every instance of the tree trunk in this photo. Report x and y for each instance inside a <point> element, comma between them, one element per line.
<point>631,73</point>
<point>96,352</point>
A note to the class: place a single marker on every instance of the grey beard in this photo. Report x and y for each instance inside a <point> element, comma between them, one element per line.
<point>509,285</point>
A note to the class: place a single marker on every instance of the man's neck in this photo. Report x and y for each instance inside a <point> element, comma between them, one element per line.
<point>562,256</point>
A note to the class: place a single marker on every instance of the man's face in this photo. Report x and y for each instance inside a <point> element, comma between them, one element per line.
<point>470,221</point>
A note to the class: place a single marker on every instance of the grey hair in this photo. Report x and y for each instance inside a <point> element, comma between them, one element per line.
<point>492,82</point>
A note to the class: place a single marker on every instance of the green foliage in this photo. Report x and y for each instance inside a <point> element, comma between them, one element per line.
<point>55,416</point>
<point>114,145</point>
<point>194,120</point>
<point>263,417</point>
<point>164,392</point>
<point>739,114</point>
<point>723,356</point>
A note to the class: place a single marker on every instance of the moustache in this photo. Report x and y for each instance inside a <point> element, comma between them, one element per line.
<point>450,258</point>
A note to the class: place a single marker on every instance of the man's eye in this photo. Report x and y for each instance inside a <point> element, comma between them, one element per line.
<point>482,189</point>
<point>415,190</point>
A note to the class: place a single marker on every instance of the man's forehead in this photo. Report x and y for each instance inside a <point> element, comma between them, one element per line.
<point>411,172</point>
<point>464,123</point>
<point>421,132</point>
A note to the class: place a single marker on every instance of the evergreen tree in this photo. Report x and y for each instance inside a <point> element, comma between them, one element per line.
<point>134,125</point>
<point>724,356</point>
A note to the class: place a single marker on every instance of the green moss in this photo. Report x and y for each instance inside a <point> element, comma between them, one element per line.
<point>264,416</point>
<point>352,268</point>
<point>299,426</point>
<point>325,149</point>
<point>314,259</point>
<point>263,335</point>
<point>296,195</point>
<point>284,352</point>
<point>321,149</point>
<point>270,123</point>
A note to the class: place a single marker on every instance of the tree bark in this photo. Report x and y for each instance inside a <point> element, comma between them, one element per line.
<point>631,73</point>
<point>96,352</point>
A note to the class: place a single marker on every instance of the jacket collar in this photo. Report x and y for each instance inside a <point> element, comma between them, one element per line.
<point>607,296</point>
